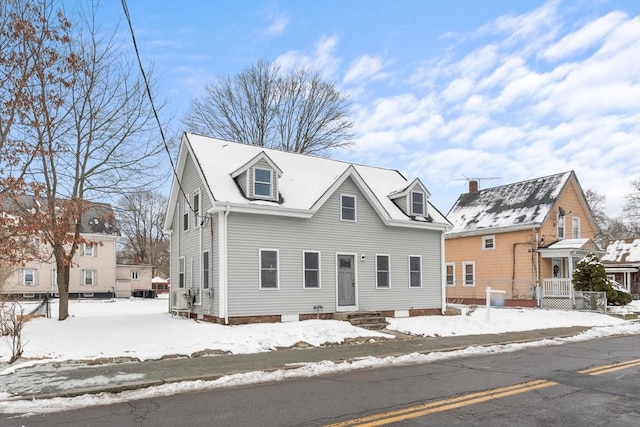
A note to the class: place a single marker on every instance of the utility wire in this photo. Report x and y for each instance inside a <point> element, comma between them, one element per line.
<point>153,107</point>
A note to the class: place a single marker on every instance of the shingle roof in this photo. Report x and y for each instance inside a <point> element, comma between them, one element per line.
<point>622,252</point>
<point>305,181</point>
<point>512,205</point>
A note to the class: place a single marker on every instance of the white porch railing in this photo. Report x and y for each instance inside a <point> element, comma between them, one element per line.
<point>557,288</point>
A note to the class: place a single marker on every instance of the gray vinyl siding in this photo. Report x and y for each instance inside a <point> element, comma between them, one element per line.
<point>402,203</point>
<point>242,182</point>
<point>326,233</point>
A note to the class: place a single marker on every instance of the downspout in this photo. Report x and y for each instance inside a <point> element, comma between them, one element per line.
<point>443,275</point>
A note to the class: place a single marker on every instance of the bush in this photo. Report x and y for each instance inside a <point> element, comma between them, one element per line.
<point>590,275</point>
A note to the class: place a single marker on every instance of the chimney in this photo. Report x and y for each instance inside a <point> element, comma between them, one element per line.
<point>473,186</point>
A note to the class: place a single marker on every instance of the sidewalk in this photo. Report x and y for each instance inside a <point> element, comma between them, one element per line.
<point>74,379</point>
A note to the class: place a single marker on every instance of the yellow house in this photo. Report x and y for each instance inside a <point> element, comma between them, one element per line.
<point>523,238</point>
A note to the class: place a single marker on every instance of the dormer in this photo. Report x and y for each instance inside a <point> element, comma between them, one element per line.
<point>412,199</point>
<point>258,178</point>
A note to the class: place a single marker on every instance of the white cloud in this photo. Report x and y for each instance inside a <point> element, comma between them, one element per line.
<point>364,68</point>
<point>322,60</point>
<point>277,26</point>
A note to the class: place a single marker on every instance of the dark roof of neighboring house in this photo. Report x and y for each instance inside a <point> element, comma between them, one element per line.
<point>622,252</point>
<point>513,205</point>
<point>98,218</point>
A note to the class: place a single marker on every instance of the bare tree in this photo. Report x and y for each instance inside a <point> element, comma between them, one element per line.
<point>297,112</point>
<point>631,210</point>
<point>141,219</point>
<point>92,140</point>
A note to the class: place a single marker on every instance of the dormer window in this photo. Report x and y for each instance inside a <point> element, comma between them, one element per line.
<point>262,183</point>
<point>417,203</point>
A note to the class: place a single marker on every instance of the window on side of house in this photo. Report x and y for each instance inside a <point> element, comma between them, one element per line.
<point>347,207</point>
<point>185,212</point>
<point>89,277</point>
<point>262,183</point>
<point>29,277</point>
<point>415,271</point>
<point>88,250</point>
<point>268,268</point>
<point>560,227</point>
<point>205,270</point>
<point>181,272</point>
<point>382,271</point>
<point>196,209</point>
<point>488,243</point>
<point>450,274</point>
<point>135,274</point>
<point>469,272</point>
<point>417,203</point>
<point>311,260</point>
<point>575,227</point>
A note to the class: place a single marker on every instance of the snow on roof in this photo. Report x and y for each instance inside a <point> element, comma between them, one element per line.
<point>622,251</point>
<point>512,205</point>
<point>569,244</point>
<point>304,181</point>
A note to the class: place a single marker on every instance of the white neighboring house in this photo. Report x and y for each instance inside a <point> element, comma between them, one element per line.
<point>93,273</point>
<point>264,235</point>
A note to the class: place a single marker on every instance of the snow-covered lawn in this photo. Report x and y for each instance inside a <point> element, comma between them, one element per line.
<point>142,329</point>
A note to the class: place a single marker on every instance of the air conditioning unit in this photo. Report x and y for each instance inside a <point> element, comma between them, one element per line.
<point>179,300</point>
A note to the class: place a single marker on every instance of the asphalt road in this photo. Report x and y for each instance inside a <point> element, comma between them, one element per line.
<point>587,383</point>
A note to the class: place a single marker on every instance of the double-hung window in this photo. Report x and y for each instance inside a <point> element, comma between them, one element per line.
<point>89,277</point>
<point>205,270</point>
<point>185,212</point>
<point>347,207</point>
<point>468,270</point>
<point>268,269</point>
<point>450,274</point>
<point>417,203</point>
<point>196,209</point>
<point>382,271</point>
<point>181,272</point>
<point>88,250</point>
<point>415,271</point>
<point>311,269</point>
<point>575,227</point>
<point>262,183</point>
<point>29,277</point>
<point>560,227</point>
<point>488,243</point>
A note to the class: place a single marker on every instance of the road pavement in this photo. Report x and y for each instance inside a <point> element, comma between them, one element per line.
<point>75,378</point>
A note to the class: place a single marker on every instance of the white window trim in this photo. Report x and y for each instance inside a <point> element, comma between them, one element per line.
<point>206,284</point>
<point>411,203</point>
<point>185,212</point>
<point>464,274</point>
<point>304,270</point>
<point>575,220</point>
<point>452,264</point>
<point>388,271</point>
<point>255,181</point>
<point>196,208</point>
<point>409,268</point>
<point>182,269</point>
<point>34,280</point>
<point>277,251</point>
<point>94,281</point>
<point>88,250</point>
<point>135,274</point>
<point>485,239</point>
<point>560,220</point>
<point>355,208</point>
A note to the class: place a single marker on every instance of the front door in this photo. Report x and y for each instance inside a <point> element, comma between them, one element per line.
<point>346,281</point>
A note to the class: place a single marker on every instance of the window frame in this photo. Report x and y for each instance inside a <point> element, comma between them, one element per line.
<point>413,203</point>
<point>33,276</point>
<point>305,269</point>
<point>453,274</point>
<point>88,250</point>
<point>387,271</point>
<point>260,269</point>
<point>464,274</point>
<point>185,212</point>
<point>560,226</point>
<point>135,274</point>
<point>355,207</point>
<point>196,208</point>
<point>86,273</point>
<point>256,182</point>
<point>206,269</point>
<point>182,272</point>
<point>414,271</point>
<point>575,230</point>
<point>486,239</point>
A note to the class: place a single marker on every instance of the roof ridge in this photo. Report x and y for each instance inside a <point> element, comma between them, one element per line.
<point>526,181</point>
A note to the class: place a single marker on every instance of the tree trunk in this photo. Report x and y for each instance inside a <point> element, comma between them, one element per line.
<point>63,273</point>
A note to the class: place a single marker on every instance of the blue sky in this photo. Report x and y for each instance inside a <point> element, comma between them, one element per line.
<point>441,90</point>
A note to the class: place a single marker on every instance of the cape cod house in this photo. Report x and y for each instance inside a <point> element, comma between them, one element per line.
<point>524,239</point>
<point>622,263</point>
<point>264,235</point>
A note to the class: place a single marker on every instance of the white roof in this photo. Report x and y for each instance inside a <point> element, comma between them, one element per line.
<point>305,183</point>
<point>622,252</point>
<point>569,244</point>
